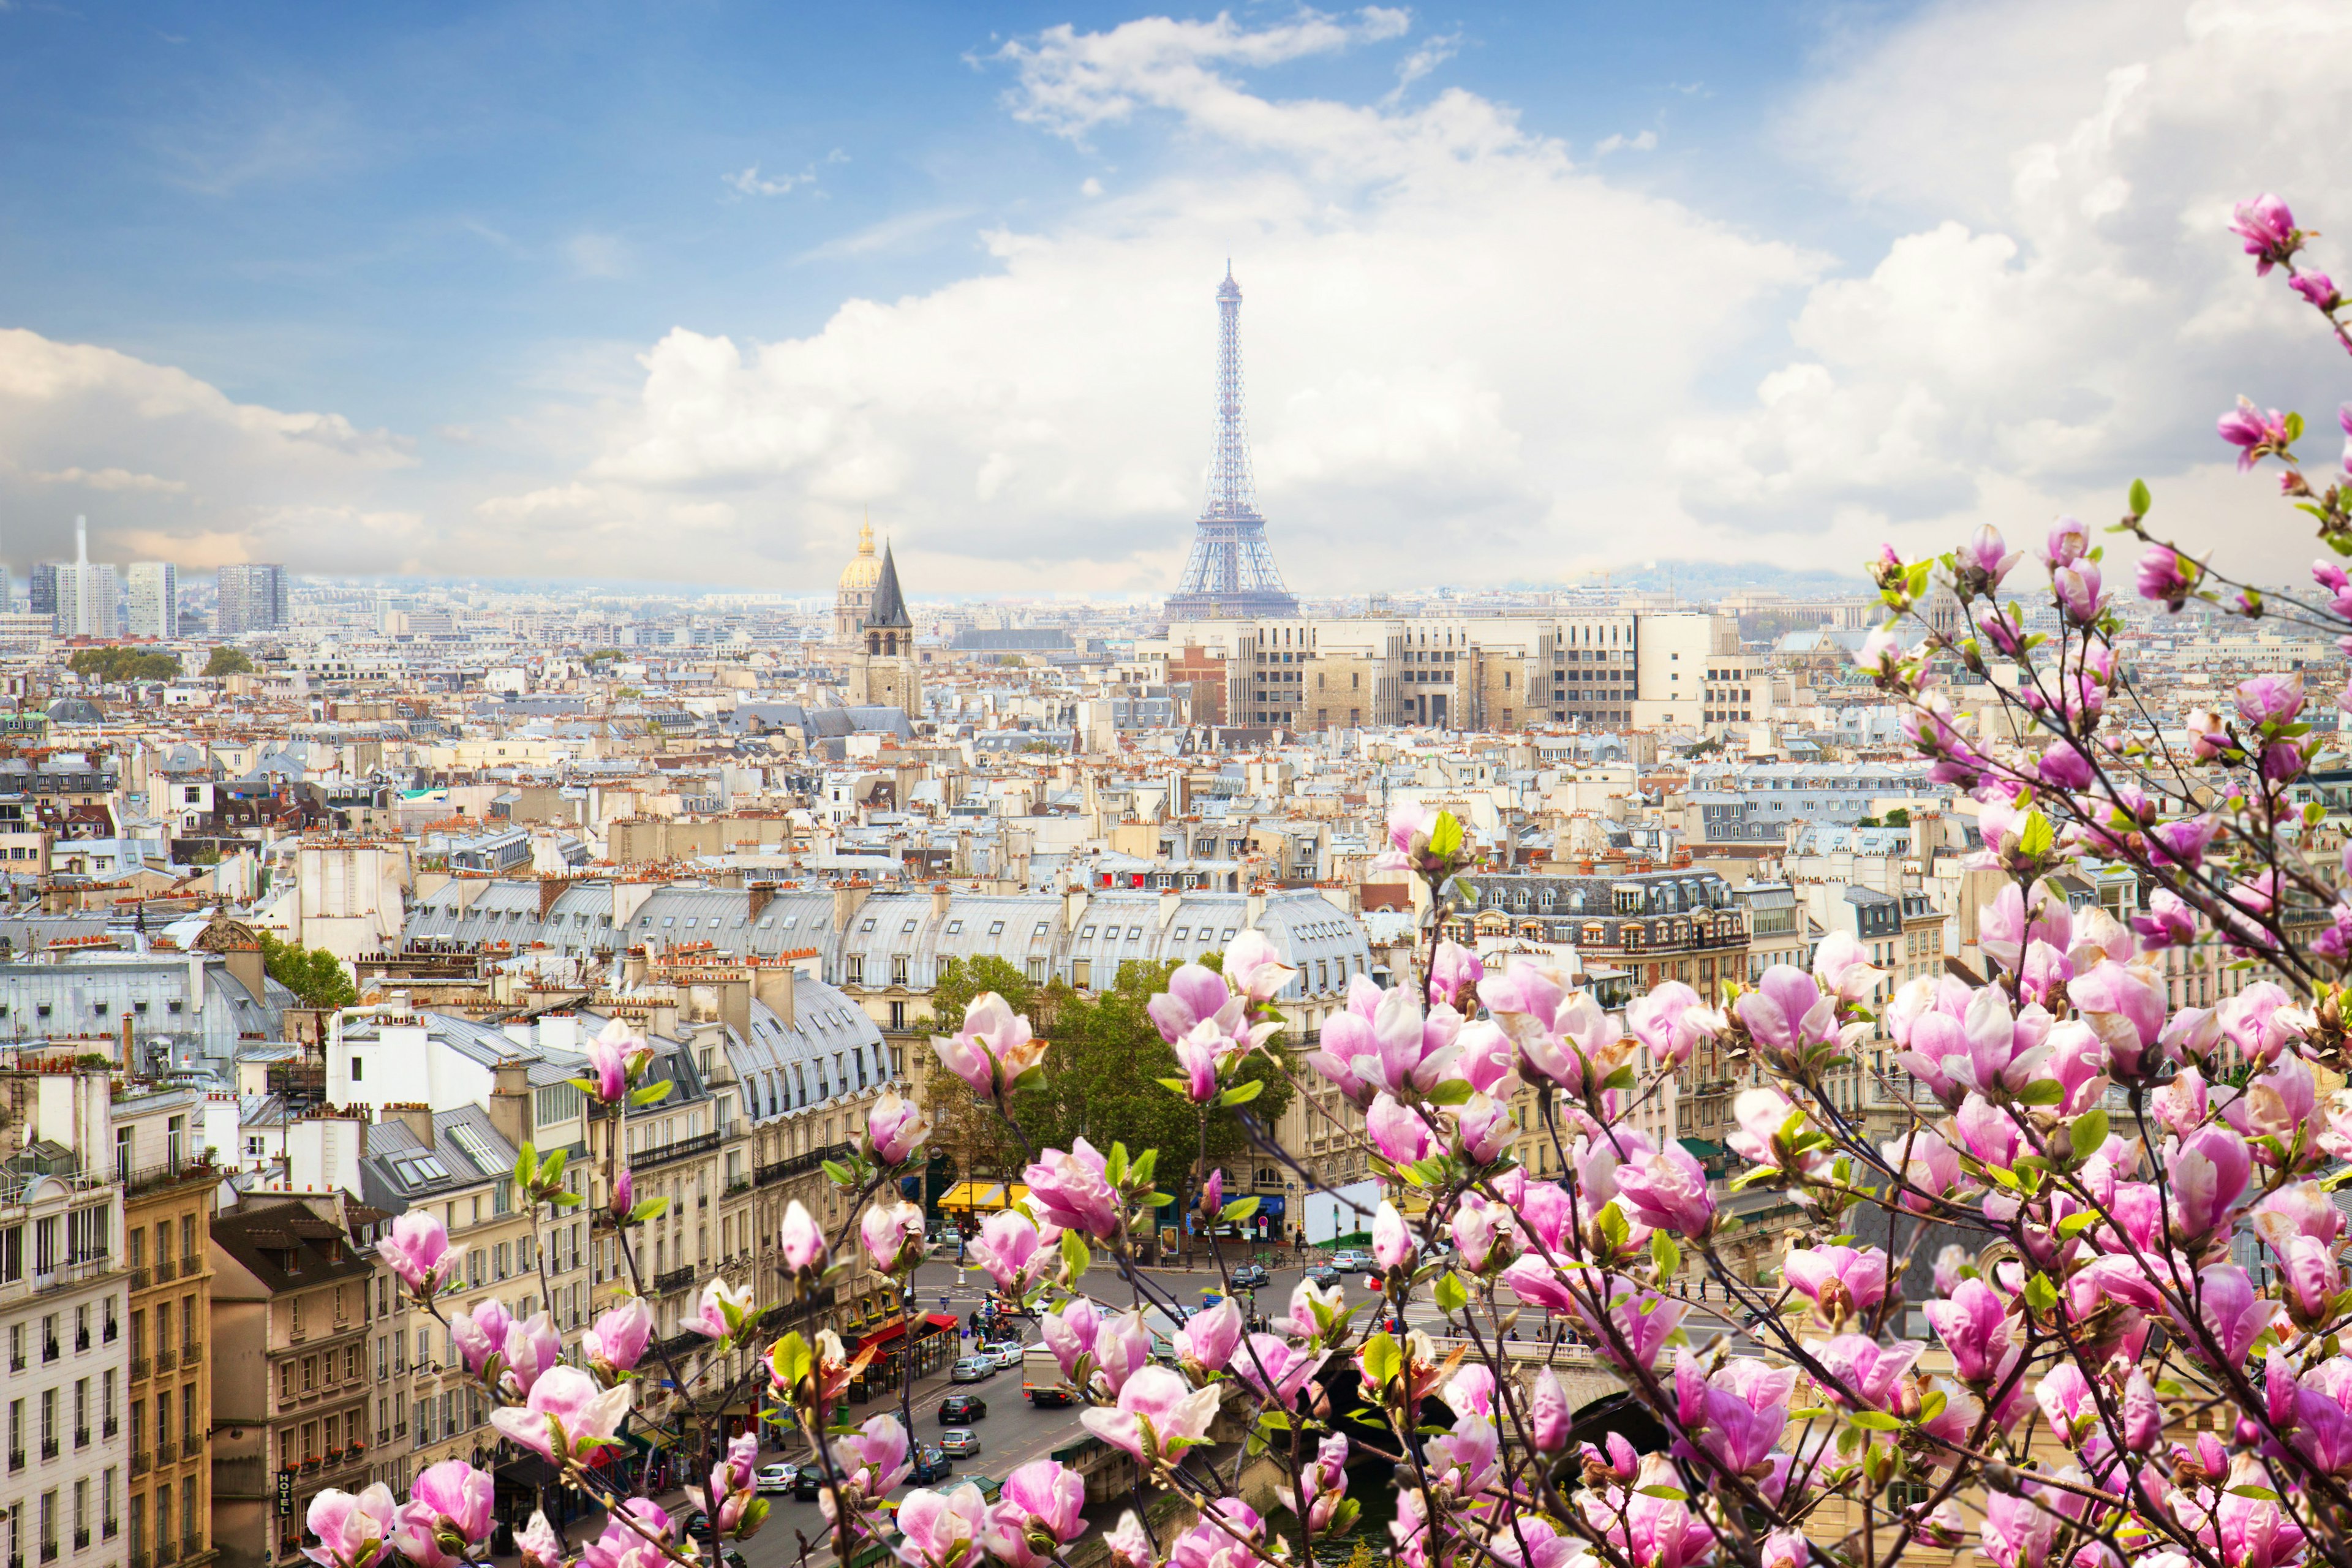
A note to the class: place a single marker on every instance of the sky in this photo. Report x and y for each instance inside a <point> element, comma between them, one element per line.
<point>1532,293</point>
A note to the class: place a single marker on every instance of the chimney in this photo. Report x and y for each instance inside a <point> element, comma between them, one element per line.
<point>759,895</point>
<point>550,890</point>
<point>509,1103</point>
<point>773,982</point>
<point>939,897</point>
<point>416,1117</point>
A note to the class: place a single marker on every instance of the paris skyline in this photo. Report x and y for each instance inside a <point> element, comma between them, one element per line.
<point>1528,297</point>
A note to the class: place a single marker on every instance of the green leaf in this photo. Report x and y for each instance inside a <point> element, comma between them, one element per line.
<point>1622,1079</point>
<point>1382,1359</point>
<point>648,1208</point>
<point>2139,498</point>
<point>1450,1293</point>
<point>1931,1404</point>
<point>2041,1091</point>
<point>2293,424</point>
<point>550,1171</point>
<point>2040,1294</point>
<point>1452,1091</point>
<point>1274,1420</point>
<point>526,1169</point>
<point>1875,1421</point>
<point>1446,836</point>
<point>2087,1132</point>
<point>1182,1086</point>
<point>1243,1093</point>
<point>1238,1210</point>
<point>1075,1256</point>
<point>1613,1228</point>
<point>1664,1493</point>
<point>2074,1225</point>
<point>2035,837</point>
<point>650,1094</point>
<point>1138,1171</point>
<point>2260,1494</point>
<point>1115,1168</point>
<point>1665,1253</point>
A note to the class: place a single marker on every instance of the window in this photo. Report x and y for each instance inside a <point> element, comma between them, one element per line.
<point>996,928</point>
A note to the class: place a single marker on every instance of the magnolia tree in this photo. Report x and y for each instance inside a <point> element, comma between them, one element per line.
<point>2142,1326</point>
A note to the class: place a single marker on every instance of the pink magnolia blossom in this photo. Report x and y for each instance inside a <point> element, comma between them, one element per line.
<point>1009,1248</point>
<point>2167,576</point>
<point>1255,969</point>
<point>1304,1321</point>
<point>1642,1319</point>
<point>1453,970</point>
<point>1130,1545</point>
<point>722,1309</point>
<point>1475,1231</point>
<point>1738,1412</point>
<point>893,1234</point>
<point>2268,229</point>
<point>1668,1191</point>
<point>567,1413</point>
<point>803,1240</point>
<point>2170,921</point>
<point>1672,1021</point>
<point>942,1529</point>
<point>1122,1348</point>
<point>2254,431</point>
<point>1927,1163</point>
<point>537,1543</point>
<point>2078,589</point>
<point>1761,1113</point>
<point>2209,1169</point>
<point>480,1333</point>
<point>2068,542</point>
<point>2230,1310</point>
<point>1866,1372</point>
<point>2019,1532</point>
<point>1787,1011</point>
<point>1839,1281</point>
<point>1199,1056</point>
<point>1527,1541</point>
<point>1275,1368</point>
<point>993,1049</point>
<point>1391,1242</point>
<point>1158,1413</point>
<point>353,1530</point>
<point>1465,1460</point>
<point>1325,1481</point>
<point>731,1485</point>
<point>894,1129</point>
<point>1073,1192</point>
<point>1042,1505</point>
<point>1196,994</point>
<point>615,1057</point>
<point>1547,1412</point>
<point>1069,1331</point>
<point>617,1341</point>
<point>1398,1131</point>
<point>1208,1339</point>
<point>2273,699</point>
<point>1485,1126</point>
<point>876,1455</point>
<point>1652,1525</point>
<point>417,1251</point>
<point>623,1547</point>
<point>1987,558</point>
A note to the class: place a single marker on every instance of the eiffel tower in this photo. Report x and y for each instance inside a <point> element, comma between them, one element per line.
<point>1231,571</point>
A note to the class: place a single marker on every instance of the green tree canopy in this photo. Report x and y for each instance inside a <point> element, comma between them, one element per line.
<point>117,663</point>
<point>312,974</point>
<point>226,660</point>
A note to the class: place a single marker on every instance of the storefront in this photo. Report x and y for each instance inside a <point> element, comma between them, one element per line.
<point>908,1348</point>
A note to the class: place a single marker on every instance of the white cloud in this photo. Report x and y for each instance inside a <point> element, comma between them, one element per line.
<point>1618,142</point>
<point>1450,375</point>
<point>1430,54</point>
<point>749,181</point>
<point>904,231</point>
<point>2070,312</point>
<point>166,457</point>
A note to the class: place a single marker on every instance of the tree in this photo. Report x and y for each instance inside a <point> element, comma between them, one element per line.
<point>226,660</point>
<point>312,974</point>
<point>117,663</point>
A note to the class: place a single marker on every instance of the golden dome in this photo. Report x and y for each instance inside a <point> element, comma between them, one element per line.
<point>865,569</point>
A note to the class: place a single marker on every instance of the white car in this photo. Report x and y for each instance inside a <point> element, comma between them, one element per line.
<point>1008,1355</point>
<point>773,1480</point>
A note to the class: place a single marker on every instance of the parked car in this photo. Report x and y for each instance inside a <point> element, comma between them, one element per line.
<point>1251,1277</point>
<point>775,1480</point>
<point>972,1368</point>
<point>1324,1276</point>
<point>960,1441</point>
<point>957,1408</point>
<point>931,1464</point>
<point>808,1483</point>
<point>1353,1260</point>
<point>1008,1353</point>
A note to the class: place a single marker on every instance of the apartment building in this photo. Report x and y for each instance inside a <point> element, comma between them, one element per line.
<point>252,598</point>
<point>151,602</point>
<point>169,1185</point>
<point>61,1310</point>
<point>292,1310</point>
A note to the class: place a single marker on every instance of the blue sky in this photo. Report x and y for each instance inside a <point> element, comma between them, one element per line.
<point>684,290</point>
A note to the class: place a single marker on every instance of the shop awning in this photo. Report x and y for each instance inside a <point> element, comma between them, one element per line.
<point>974,1195</point>
<point>882,1336</point>
<point>938,1320</point>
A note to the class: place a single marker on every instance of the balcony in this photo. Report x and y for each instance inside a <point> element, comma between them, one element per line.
<point>51,1350</point>
<point>164,1271</point>
<point>81,1538</point>
<point>142,1461</point>
<point>48,1449</point>
<point>113,1330</point>
<point>671,1153</point>
<point>109,1427</point>
<point>163,1360</point>
<point>142,1559</point>
<point>15,1461</point>
<point>48,1551</point>
<point>111,1529</point>
<point>675,1279</point>
<point>81,1340</point>
<point>190,1354</point>
<point>799,1164</point>
<point>170,1172</point>
<point>166,1552</point>
<point>81,1437</point>
<point>165,1452</point>
<point>16,1364</point>
<point>140,1367</point>
<point>141,1278</point>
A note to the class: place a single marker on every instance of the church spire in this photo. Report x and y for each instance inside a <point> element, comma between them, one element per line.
<point>889,611</point>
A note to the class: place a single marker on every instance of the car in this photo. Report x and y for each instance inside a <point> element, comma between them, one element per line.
<point>1008,1354</point>
<point>1251,1277</point>
<point>972,1368</point>
<point>775,1480</point>
<point>957,1408</point>
<point>960,1441</point>
<point>931,1464</point>
<point>1324,1276</point>
<point>1353,1260</point>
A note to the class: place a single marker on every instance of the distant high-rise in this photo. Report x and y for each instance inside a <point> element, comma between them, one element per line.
<point>41,590</point>
<point>1231,571</point>
<point>86,591</point>
<point>252,599</point>
<point>154,600</point>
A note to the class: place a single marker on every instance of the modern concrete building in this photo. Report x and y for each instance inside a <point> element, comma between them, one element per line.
<point>252,599</point>
<point>153,600</point>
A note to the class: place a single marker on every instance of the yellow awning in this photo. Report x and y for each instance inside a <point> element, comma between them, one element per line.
<point>975,1195</point>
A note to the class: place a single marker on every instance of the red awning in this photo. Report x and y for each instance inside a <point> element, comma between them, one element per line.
<point>882,1336</point>
<point>944,1321</point>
